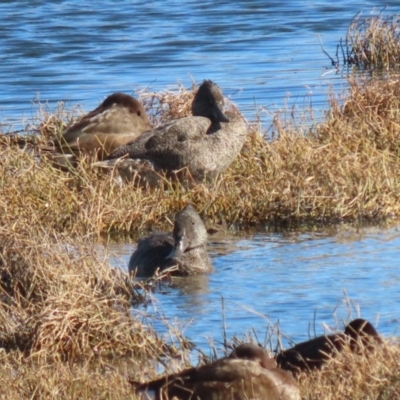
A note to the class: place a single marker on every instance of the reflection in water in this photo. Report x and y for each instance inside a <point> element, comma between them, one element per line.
<point>267,278</point>
<point>193,292</point>
<point>192,286</point>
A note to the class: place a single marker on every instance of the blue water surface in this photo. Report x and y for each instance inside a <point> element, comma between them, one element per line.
<point>305,283</point>
<point>259,52</point>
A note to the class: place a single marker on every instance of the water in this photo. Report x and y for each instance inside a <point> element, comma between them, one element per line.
<point>259,52</point>
<point>268,278</point>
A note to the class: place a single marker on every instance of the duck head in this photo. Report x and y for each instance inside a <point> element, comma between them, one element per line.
<point>249,351</point>
<point>208,102</point>
<point>123,100</point>
<point>189,232</point>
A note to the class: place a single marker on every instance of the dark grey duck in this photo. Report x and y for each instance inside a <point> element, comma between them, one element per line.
<point>248,373</point>
<point>204,145</point>
<point>183,250</point>
<point>359,335</point>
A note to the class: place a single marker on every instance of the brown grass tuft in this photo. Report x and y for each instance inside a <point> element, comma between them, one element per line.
<point>356,376</point>
<point>22,378</point>
<point>368,120</point>
<point>374,42</point>
<point>167,105</point>
<point>59,300</point>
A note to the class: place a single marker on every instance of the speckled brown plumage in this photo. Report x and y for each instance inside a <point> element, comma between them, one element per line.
<point>115,122</point>
<point>248,373</point>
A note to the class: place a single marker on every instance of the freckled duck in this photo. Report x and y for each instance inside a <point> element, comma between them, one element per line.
<point>204,144</point>
<point>248,373</point>
<point>184,248</point>
<point>314,353</point>
<point>115,122</point>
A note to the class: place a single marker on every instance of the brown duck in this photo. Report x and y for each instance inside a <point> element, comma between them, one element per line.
<point>200,146</point>
<point>247,373</point>
<point>183,251</point>
<point>115,122</point>
<point>359,334</point>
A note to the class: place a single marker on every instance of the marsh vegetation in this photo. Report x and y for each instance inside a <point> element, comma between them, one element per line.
<point>66,330</point>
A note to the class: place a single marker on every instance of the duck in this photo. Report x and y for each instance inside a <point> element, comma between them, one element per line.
<point>116,121</point>
<point>247,373</point>
<point>197,147</point>
<point>360,334</point>
<point>182,252</point>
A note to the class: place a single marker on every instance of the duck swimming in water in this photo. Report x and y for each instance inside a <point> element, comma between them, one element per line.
<point>183,251</point>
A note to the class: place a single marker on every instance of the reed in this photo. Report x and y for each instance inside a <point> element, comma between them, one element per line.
<point>373,43</point>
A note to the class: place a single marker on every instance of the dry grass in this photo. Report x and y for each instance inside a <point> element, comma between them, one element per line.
<point>66,328</point>
<point>167,105</point>
<point>22,378</point>
<point>64,313</point>
<point>344,168</point>
<point>368,120</point>
<point>59,300</point>
<point>356,376</point>
<point>373,43</point>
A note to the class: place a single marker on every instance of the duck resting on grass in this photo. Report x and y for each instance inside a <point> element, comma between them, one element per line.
<point>193,148</point>
<point>247,373</point>
<point>116,121</point>
<point>359,334</point>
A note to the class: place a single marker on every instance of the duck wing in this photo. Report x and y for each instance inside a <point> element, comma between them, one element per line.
<point>113,120</point>
<point>152,254</point>
<point>170,141</point>
<point>225,378</point>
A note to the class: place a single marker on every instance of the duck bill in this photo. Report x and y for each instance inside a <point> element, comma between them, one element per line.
<point>179,249</point>
<point>221,117</point>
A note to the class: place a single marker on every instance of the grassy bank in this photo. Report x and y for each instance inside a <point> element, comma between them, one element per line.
<point>66,330</point>
<point>356,376</point>
<point>344,168</point>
